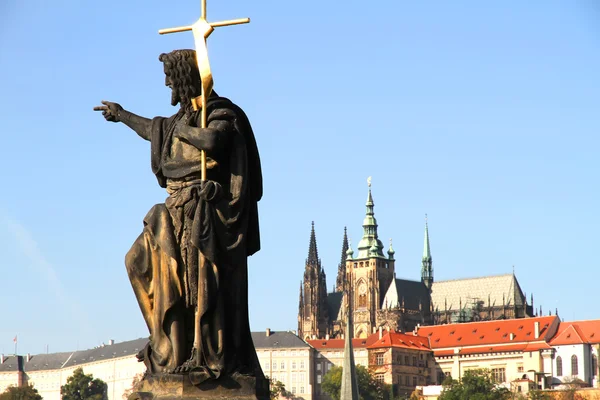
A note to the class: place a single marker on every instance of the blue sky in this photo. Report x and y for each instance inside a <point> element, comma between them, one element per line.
<point>484,115</point>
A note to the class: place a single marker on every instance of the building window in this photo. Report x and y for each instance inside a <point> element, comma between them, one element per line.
<point>267,365</point>
<point>380,359</point>
<point>318,366</point>
<point>274,365</point>
<point>379,378</point>
<point>499,375</point>
<point>301,389</point>
<point>318,379</point>
<point>406,362</point>
<point>414,381</point>
<point>293,364</point>
<point>421,355</point>
<point>293,377</point>
<point>520,368</point>
<point>302,364</point>
<point>407,380</point>
<point>414,361</point>
<point>399,360</point>
<point>559,371</point>
<point>594,365</point>
<point>294,389</point>
<point>574,366</point>
<point>283,365</point>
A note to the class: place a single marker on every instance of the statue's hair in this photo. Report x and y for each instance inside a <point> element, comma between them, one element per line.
<point>183,71</point>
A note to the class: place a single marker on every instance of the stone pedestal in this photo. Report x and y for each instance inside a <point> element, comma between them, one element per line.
<point>179,387</point>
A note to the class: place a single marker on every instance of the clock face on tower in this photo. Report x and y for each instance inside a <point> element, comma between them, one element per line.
<point>362,289</point>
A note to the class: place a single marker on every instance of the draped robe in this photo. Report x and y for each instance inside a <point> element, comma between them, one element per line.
<point>192,252</point>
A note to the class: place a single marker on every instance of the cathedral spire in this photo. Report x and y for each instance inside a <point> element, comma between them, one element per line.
<point>426,261</point>
<point>339,284</point>
<point>370,245</point>
<point>349,389</point>
<point>313,255</point>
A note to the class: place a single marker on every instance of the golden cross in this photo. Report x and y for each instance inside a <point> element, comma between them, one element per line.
<point>201,30</point>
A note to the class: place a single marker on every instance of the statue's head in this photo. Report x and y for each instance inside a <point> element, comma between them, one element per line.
<point>182,76</point>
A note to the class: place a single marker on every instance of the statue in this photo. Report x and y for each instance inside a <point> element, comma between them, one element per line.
<point>188,267</point>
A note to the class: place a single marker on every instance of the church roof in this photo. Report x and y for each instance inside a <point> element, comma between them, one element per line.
<point>497,289</point>
<point>412,292</point>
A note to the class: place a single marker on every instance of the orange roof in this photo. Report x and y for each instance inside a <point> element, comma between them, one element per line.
<point>396,339</point>
<point>339,343</point>
<point>577,332</point>
<point>490,333</point>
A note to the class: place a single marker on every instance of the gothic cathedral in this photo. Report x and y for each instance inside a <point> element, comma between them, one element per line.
<point>383,301</point>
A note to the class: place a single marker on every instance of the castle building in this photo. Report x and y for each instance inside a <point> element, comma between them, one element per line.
<point>382,300</point>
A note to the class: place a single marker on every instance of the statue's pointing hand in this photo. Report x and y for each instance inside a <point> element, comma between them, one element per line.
<point>110,111</point>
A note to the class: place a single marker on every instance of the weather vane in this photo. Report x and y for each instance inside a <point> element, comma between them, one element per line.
<point>201,30</point>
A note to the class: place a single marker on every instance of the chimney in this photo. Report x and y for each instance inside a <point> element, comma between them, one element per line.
<point>111,342</point>
<point>1,358</point>
<point>28,357</point>
<point>537,329</point>
<point>512,336</point>
<point>380,332</point>
<point>268,332</point>
<point>327,337</point>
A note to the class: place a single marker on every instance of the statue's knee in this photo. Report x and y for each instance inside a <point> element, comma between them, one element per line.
<point>135,256</point>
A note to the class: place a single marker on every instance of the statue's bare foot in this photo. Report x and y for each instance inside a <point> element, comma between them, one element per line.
<point>185,367</point>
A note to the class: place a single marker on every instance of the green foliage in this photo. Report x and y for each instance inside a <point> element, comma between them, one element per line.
<point>20,393</point>
<point>368,387</point>
<point>277,389</point>
<point>83,387</point>
<point>475,385</point>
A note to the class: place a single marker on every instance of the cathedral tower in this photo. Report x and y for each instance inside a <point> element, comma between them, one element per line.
<point>369,275</point>
<point>313,320</point>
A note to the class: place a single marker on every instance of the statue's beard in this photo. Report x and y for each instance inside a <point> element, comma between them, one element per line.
<point>175,99</point>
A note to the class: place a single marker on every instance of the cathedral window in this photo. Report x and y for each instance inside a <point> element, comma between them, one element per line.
<point>559,370</point>
<point>574,366</point>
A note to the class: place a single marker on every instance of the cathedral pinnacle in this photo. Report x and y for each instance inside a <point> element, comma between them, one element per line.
<point>426,262</point>
<point>313,255</point>
<point>339,284</point>
<point>370,245</point>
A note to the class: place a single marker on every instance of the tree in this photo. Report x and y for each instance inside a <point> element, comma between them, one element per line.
<point>83,387</point>
<point>20,393</point>
<point>368,387</point>
<point>474,385</point>
<point>277,389</point>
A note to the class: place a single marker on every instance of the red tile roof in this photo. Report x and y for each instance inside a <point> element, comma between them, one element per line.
<point>339,343</point>
<point>407,341</point>
<point>577,332</point>
<point>490,333</point>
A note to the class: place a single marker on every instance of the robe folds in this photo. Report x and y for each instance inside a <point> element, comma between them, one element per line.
<point>192,252</point>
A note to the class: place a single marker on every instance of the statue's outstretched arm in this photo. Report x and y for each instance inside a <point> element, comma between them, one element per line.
<point>115,113</point>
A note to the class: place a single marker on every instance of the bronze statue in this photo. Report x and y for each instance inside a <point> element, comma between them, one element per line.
<point>188,267</point>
